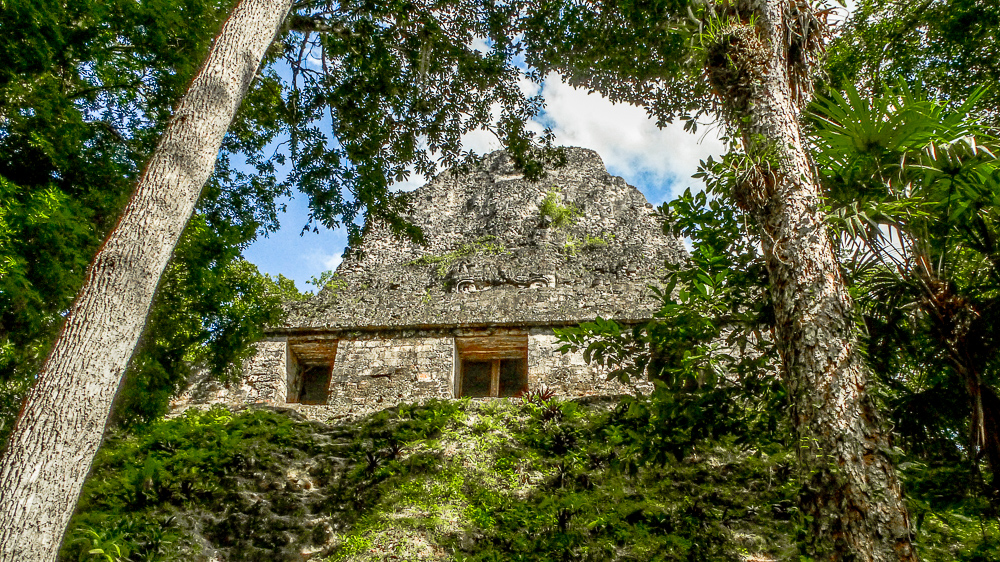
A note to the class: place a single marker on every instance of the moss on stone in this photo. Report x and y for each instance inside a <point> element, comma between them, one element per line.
<point>444,262</point>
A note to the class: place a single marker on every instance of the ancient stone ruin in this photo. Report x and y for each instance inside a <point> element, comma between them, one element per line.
<point>472,312</point>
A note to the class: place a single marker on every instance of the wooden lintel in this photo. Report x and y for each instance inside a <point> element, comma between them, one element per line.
<point>315,353</point>
<point>499,344</point>
<point>491,354</point>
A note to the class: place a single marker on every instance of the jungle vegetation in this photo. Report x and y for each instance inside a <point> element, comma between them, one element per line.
<point>901,133</point>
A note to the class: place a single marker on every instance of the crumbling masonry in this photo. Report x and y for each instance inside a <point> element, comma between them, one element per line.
<point>472,312</point>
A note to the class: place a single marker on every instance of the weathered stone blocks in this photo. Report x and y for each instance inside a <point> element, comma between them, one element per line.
<point>267,376</point>
<point>384,331</point>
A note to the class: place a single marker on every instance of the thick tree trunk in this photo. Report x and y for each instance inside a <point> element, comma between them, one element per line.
<point>63,420</point>
<point>852,490</point>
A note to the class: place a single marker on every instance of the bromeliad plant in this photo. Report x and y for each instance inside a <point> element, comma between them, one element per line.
<point>913,190</point>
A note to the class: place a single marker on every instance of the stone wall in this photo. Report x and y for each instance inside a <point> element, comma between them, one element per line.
<point>267,376</point>
<point>293,375</point>
<point>373,374</point>
<point>376,371</point>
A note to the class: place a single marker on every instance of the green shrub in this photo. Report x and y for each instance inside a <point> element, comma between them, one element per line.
<point>559,215</point>
<point>530,479</point>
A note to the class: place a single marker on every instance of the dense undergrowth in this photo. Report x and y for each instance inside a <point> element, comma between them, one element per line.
<point>533,479</point>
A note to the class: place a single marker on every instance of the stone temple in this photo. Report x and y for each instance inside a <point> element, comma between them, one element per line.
<point>471,312</point>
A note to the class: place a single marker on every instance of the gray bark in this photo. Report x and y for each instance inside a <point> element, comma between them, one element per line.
<point>852,490</point>
<point>62,423</point>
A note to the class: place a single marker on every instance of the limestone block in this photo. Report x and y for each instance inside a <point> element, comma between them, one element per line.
<point>264,381</point>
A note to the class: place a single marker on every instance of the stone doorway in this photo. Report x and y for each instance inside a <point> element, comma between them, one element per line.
<point>314,385</point>
<point>492,366</point>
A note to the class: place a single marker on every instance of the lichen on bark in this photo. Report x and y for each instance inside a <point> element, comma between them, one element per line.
<point>853,495</point>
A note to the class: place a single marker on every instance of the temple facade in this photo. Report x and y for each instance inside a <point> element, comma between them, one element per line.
<point>472,310</point>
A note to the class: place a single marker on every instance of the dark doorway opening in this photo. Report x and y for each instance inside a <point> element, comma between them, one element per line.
<point>476,378</point>
<point>513,377</point>
<point>315,386</point>
<point>492,366</point>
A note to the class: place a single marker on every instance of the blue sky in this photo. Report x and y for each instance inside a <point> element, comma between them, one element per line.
<point>657,161</point>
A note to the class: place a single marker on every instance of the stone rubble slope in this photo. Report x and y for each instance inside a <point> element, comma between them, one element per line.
<point>491,256</point>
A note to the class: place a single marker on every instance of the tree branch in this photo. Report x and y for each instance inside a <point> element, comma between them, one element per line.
<point>304,24</point>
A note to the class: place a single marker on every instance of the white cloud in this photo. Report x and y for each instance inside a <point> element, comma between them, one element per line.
<point>412,182</point>
<point>326,257</point>
<point>480,44</point>
<point>332,262</point>
<point>484,142</point>
<point>528,86</point>
<point>480,142</point>
<point>325,252</point>
<point>627,139</point>
<point>840,14</point>
<point>657,161</point>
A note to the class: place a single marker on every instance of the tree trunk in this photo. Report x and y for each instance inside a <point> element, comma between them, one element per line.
<point>62,423</point>
<point>953,325</point>
<point>852,491</point>
<point>990,444</point>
